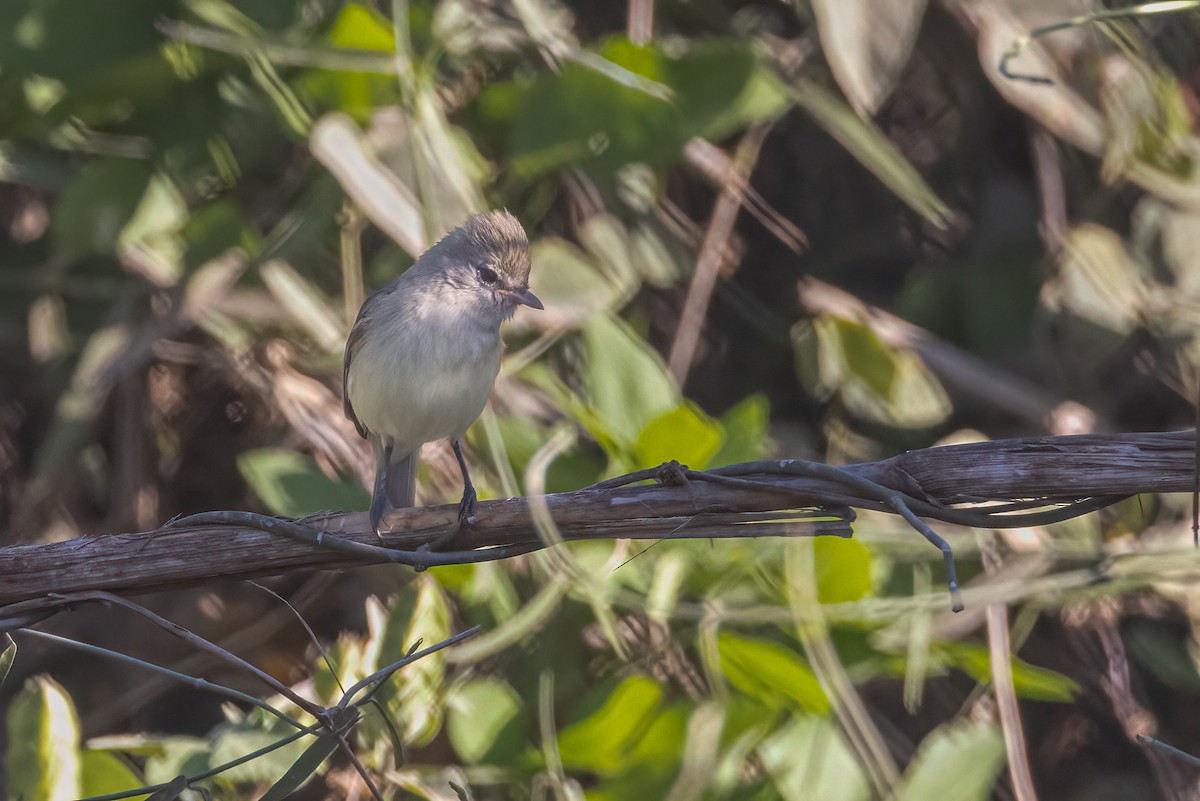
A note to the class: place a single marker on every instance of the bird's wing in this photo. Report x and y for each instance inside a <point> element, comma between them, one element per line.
<point>353,343</point>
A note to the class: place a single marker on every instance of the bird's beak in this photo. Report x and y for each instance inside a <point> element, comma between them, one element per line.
<point>525,298</point>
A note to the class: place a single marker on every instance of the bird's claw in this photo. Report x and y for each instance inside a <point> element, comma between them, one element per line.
<point>466,507</point>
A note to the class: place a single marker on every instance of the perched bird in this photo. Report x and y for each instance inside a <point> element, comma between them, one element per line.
<point>425,350</point>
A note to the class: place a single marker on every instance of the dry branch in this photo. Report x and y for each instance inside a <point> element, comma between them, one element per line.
<point>770,498</point>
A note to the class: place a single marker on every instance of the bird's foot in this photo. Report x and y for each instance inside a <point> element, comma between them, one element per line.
<point>376,517</point>
<point>466,507</point>
<point>466,517</point>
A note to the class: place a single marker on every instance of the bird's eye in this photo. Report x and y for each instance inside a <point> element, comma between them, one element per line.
<point>488,275</point>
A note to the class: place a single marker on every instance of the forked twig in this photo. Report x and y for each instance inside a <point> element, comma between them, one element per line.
<point>1106,15</point>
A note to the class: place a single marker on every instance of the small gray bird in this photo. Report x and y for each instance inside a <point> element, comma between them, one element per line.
<point>425,350</point>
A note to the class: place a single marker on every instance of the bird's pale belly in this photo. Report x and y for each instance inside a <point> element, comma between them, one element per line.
<point>422,397</point>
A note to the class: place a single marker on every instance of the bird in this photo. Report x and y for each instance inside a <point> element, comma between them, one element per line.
<point>425,349</point>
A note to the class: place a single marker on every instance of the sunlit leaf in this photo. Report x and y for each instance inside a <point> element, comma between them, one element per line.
<point>1097,281</point>
<point>104,772</point>
<point>649,769</point>
<point>771,673</point>
<point>809,759</point>
<point>292,485</point>
<point>7,656</point>
<point>627,382</point>
<point>865,356</point>
<point>173,756</point>
<point>843,568</point>
<point>875,381</point>
<point>958,761</point>
<point>745,431</point>
<point>685,434</point>
<point>1029,681</point>
<point>43,760</point>
<point>233,740</point>
<point>602,741</point>
<point>414,693</point>
<point>485,721</point>
<point>1148,123</point>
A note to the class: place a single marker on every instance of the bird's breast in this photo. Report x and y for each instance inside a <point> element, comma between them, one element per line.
<point>421,378</point>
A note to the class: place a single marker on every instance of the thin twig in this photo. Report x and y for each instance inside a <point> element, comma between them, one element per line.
<point>312,635</point>
<point>712,252</point>
<point>194,681</point>
<point>1000,657</point>
<point>1169,750</point>
<point>1106,15</point>
<point>640,22</point>
<point>198,642</point>
<point>383,673</point>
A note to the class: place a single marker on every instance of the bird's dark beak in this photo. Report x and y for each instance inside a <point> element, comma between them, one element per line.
<point>525,298</point>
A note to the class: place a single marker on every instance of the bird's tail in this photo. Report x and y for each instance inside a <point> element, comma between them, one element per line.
<point>395,481</point>
<point>402,480</point>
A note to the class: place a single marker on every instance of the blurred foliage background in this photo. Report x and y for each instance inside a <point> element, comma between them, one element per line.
<point>825,229</point>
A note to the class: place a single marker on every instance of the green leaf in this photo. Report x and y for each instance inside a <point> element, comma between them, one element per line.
<point>414,694</point>
<point>685,433</point>
<point>7,656</point>
<point>627,383</point>
<point>958,761</point>
<point>1097,280</point>
<point>581,116</point>
<point>601,741</point>
<point>745,427</point>
<point>292,485</point>
<point>94,209</point>
<point>873,379</point>
<point>234,740</point>
<point>868,144</point>
<point>865,356</point>
<point>649,768</point>
<point>104,772</point>
<point>43,762</point>
<point>168,757</point>
<point>156,225</point>
<point>73,41</point>
<point>1167,656</point>
<point>771,673</point>
<point>304,768</point>
<point>809,759</point>
<point>569,283</point>
<point>485,722</point>
<point>1029,681</point>
<point>843,569</point>
<point>213,229</point>
<point>356,93</point>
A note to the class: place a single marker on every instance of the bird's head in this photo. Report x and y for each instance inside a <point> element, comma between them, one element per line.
<point>486,262</point>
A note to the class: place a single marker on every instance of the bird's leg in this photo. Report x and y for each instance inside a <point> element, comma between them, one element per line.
<point>466,507</point>
<point>379,498</point>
